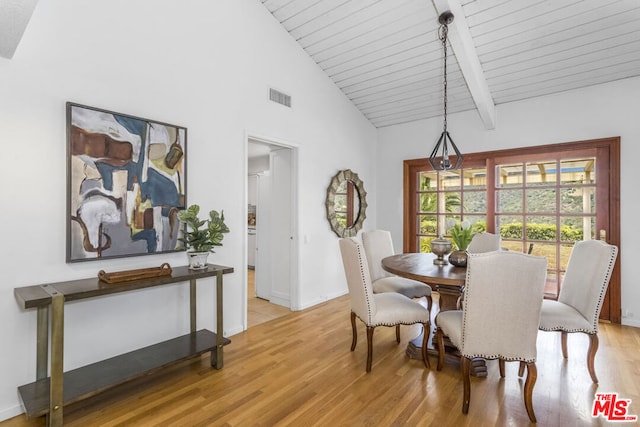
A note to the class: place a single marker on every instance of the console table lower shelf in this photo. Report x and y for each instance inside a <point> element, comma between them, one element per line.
<point>55,388</point>
<point>90,380</point>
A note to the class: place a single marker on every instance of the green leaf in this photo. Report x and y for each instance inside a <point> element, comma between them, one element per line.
<point>202,235</point>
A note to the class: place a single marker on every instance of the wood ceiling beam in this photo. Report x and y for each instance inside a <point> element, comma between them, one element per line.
<point>465,51</point>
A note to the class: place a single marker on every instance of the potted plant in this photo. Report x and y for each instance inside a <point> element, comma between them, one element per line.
<point>201,235</point>
<point>461,234</point>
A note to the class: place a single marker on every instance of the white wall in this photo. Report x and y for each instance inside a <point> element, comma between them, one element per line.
<point>205,65</point>
<point>258,164</point>
<point>597,112</point>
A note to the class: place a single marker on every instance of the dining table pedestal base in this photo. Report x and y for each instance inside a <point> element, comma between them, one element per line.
<point>449,296</point>
<point>448,281</point>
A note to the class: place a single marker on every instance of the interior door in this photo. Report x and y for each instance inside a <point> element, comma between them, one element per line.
<point>263,237</point>
<point>281,226</point>
<point>274,225</point>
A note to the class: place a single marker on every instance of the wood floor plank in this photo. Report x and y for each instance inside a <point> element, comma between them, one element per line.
<point>260,310</point>
<point>297,370</point>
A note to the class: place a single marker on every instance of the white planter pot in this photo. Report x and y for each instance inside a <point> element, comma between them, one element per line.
<point>197,260</point>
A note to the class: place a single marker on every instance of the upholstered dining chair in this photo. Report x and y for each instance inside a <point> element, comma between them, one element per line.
<point>484,242</point>
<point>581,295</point>
<point>481,243</point>
<point>385,309</point>
<point>378,245</point>
<point>503,298</point>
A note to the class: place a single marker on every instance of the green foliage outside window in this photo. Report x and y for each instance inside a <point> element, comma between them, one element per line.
<point>511,231</point>
<point>510,201</point>
<point>541,232</point>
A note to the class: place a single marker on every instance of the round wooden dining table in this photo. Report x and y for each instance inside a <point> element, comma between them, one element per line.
<point>448,280</point>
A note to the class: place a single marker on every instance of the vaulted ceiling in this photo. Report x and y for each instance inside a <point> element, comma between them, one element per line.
<point>14,17</point>
<point>385,55</point>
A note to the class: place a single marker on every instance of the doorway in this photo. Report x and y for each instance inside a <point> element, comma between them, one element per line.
<point>271,227</point>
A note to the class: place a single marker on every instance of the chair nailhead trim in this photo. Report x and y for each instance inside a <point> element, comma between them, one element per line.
<point>613,251</point>
<point>362,277</point>
<point>366,295</point>
<point>464,323</point>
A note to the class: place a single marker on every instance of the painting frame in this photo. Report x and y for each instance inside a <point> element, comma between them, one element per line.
<point>126,183</point>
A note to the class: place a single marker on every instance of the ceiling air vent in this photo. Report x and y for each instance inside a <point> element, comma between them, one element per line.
<point>279,97</point>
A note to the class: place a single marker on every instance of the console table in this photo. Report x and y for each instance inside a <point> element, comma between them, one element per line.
<point>48,394</point>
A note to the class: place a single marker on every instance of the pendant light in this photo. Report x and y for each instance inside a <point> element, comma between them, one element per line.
<point>439,157</point>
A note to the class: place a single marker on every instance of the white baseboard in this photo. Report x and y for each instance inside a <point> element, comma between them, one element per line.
<point>233,331</point>
<point>630,322</point>
<point>10,412</point>
<point>312,303</point>
<point>337,294</point>
<point>280,299</point>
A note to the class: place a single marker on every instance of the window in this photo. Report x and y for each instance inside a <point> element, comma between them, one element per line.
<point>540,199</point>
<point>458,195</point>
<point>543,207</point>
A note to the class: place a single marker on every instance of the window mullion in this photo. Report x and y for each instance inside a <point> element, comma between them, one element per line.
<point>491,195</point>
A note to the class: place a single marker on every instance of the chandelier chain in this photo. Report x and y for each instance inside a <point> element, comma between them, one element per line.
<point>445,149</point>
<point>444,30</point>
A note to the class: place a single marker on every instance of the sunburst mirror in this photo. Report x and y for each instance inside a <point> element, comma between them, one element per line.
<point>346,203</point>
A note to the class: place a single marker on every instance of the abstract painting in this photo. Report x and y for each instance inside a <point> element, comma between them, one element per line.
<point>125,184</point>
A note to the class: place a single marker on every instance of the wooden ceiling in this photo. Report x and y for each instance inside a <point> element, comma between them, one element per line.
<point>386,57</point>
<point>14,17</point>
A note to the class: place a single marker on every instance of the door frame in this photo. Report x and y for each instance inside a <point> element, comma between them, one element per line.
<point>294,291</point>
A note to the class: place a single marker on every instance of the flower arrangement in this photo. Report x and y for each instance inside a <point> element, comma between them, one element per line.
<point>460,232</point>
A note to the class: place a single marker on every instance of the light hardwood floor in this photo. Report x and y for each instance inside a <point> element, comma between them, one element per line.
<point>297,370</point>
<point>259,310</point>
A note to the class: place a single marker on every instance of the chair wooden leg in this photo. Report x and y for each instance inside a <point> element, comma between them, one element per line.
<point>563,342</point>
<point>466,380</point>
<point>425,340</point>
<point>440,341</point>
<point>532,376</point>
<point>591,356</point>
<point>501,366</point>
<point>369,346</point>
<point>398,334</point>
<point>429,302</point>
<point>354,340</point>
<point>521,369</point>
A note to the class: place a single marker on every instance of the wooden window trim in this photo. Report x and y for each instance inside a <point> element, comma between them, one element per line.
<point>603,145</point>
